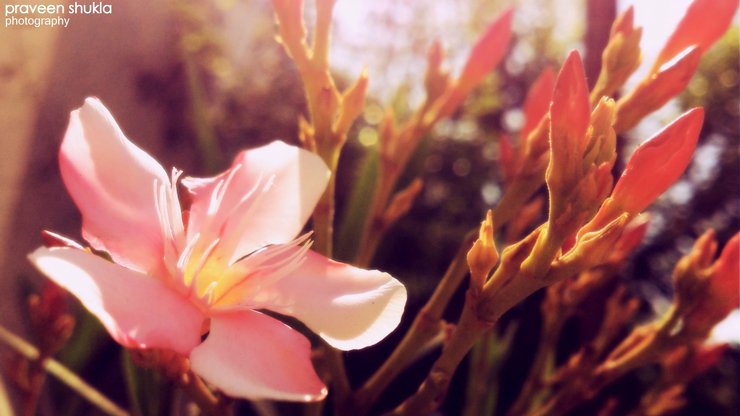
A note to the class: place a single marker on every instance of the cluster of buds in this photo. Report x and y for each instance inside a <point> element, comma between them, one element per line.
<point>566,295</point>
<point>704,22</point>
<point>331,112</point>
<point>707,291</point>
<point>621,56</point>
<point>582,153</point>
<point>678,368</point>
<point>668,76</point>
<point>443,97</point>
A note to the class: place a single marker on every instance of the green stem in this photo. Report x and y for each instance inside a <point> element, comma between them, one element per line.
<point>541,364</point>
<point>209,404</point>
<point>63,374</point>
<point>132,389</point>
<point>205,136</point>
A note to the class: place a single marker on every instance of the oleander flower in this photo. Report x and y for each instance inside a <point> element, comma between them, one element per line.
<point>178,275</point>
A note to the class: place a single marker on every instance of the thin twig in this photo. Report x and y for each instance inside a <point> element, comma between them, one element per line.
<point>65,375</point>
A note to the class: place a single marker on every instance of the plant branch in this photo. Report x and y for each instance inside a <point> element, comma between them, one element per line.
<point>427,325</point>
<point>62,373</point>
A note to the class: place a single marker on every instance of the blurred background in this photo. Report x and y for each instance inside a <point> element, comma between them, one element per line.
<point>194,81</point>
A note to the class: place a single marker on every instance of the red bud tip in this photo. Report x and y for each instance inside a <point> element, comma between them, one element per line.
<point>487,51</point>
<point>658,162</point>
<point>570,109</point>
<point>703,24</point>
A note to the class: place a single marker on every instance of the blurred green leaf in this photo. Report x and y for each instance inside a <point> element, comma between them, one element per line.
<point>358,208</point>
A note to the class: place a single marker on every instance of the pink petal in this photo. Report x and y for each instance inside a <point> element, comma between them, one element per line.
<point>112,182</point>
<point>349,307</point>
<point>137,311</point>
<point>266,197</point>
<point>253,356</point>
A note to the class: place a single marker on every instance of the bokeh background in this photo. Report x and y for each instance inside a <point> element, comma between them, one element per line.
<point>194,81</point>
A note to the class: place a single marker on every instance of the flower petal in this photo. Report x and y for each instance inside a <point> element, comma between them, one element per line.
<point>118,207</point>
<point>349,307</point>
<point>264,198</point>
<point>137,311</point>
<point>251,355</point>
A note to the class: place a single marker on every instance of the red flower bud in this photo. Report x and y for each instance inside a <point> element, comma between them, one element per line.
<point>487,51</point>
<point>658,162</point>
<point>538,100</point>
<point>569,119</point>
<point>705,21</point>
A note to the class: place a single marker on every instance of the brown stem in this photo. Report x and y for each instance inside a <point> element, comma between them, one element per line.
<point>63,374</point>
<point>208,403</point>
<point>37,376</point>
<point>542,360</point>
<point>425,328</point>
<point>656,339</point>
<point>323,215</point>
<point>477,380</point>
<point>434,388</point>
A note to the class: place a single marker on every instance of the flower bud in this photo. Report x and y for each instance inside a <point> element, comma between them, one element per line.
<point>538,100</point>
<point>652,168</point>
<point>602,141</point>
<point>436,79</point>
<point>402,202</point>
<point>485,55</point>
<point>655,90</point>
<point>590,250</point>
<point>631,237</point>
<point>487,52</point>
<point>483,256</point>
<point>351,105</point>
<point>705,21</point>
<point>569,120</point>
<point>620,57</point>
<point>708,292</point>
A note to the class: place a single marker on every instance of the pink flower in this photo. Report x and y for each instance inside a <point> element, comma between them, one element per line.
<point>176,277</point>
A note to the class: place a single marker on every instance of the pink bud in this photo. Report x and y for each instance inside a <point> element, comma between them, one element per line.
<point>658,162</point>
<point>569,119</point>
<point>538,100</point>
<point>705,21</point>
<point>487,51</point>
<point>725,278</point>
